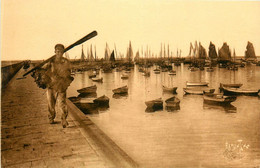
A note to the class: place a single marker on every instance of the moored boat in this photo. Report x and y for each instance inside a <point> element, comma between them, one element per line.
<point>87,106</point>
<point>172,72</point>
<point>146,73</point>
<point>193,68</point>
<point>92,76</point>
<point>240,91</point>
<point>89,89</point>
<point>197,83</point>
<point>232,85</point>
<point>97,79</point>
<point>154,105</point>
<point>172,103</point>
<point>121,90</point>
<point>218,98</point>
<point>157,71</point>
<point>198,90</point>
<point>210,69</point>
<point>124,76</point>
<point>102,101</point>
<point>169,89</point>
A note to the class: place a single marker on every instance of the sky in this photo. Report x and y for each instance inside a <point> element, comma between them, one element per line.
<point>31,28</point>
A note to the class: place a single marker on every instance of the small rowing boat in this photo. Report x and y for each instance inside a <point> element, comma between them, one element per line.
<point>197,84</point>
<point>92,76</point>
<point>154,105</point>
<point>124,76</point>
<point>102,101</point>
<point>198,90</point>
<point>232,85</point>
<point>89,89</point>
<point>218,98</point>
<point>146,73</point>
<point>121,90</point>
<point>240,91</point>
<point>210,69</point>
<point>173,103</point>
<point>172,72</point>
<point>157,71</point>
<point>169,89</point>
<point>97,79</point>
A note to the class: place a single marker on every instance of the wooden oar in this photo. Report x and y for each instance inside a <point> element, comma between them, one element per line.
<point>80,41</point>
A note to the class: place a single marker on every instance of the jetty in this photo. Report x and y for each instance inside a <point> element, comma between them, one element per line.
<point>28,140</point>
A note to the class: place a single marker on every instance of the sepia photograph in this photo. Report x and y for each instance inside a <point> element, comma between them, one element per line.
<point>130,84</point>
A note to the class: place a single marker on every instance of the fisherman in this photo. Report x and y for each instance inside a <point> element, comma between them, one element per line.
<point>58,73</point>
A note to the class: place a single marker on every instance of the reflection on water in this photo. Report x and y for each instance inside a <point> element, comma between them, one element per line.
<point>229,108</point>
<point>195,135</point>
<point>120,96</point>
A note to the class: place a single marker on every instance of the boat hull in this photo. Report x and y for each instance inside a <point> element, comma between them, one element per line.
<point>90,89</point>
<point>97,79</point>
<point>170,89</point>
<point>198,91</point>
<point>218,99</point>
<point>197,84</point>
<point>120,90</point>
<point>239,91</point>
<point>102,101</point>
<point>234,85</point>
<point>154,105</point>
<point>172,104</point>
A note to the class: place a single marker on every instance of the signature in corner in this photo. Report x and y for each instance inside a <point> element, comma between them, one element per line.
<point>235,150</point>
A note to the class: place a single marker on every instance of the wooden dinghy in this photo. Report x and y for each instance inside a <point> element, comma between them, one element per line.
<point>218,99</point>
<point>198,90</point>
<point>92,76</point>
<point>124,76</point>
<point>240,91</point>
<point>154,105</point>
<point>121,90</point>
<point>193,69</point>
<point>97,79</point>
<point>232,85</point>
<point>157,71</point>
<point>102,101</point>
<point>87,106</point>
<point>169,89</point>
<point>188,84</point>
<point>172,72</point>
<point>146,73</point>
<point>173,103</point>
<point>210,69</point>
<point>89,89</point>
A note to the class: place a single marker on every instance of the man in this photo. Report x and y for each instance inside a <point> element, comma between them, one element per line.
<point>59,77</point>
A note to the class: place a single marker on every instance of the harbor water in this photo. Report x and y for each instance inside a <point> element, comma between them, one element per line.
<point>197,135</point>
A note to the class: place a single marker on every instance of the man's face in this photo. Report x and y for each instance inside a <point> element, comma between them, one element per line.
<point>59,51</point>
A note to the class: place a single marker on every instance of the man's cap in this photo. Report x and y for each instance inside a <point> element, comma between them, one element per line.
<point>59,46</point>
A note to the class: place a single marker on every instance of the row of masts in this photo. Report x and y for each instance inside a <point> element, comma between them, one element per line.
<point>197,51</point>
<point>129,53</point>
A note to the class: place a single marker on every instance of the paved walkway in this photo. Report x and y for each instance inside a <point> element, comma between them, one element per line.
<point>28,140</point>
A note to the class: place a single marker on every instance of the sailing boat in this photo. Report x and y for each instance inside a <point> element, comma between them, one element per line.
<point>195,53</point>
<point>107,67</point>
<point>177,62</point>
<point>129,56</point>
<point>146,71</point>
<point>250,56</point>
<point>233,63</point>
